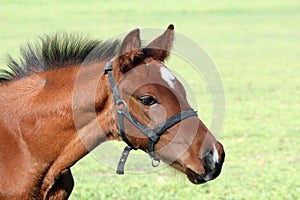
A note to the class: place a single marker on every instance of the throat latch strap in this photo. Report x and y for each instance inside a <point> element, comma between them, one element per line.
<point>123,159</point>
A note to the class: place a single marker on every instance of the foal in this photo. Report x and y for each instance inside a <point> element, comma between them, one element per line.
<point>57,104</point>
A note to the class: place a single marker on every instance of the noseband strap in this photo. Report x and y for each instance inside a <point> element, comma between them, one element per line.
<point>152,134</point>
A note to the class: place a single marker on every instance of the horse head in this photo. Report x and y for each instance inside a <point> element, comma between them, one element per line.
<point>155,114</point>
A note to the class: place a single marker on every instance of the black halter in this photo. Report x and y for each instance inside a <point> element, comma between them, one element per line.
<point>152,134</point>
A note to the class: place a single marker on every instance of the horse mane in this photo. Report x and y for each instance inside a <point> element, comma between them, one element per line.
<point>57,51</point>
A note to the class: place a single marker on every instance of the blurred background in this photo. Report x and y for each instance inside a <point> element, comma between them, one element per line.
<point>255,47</point>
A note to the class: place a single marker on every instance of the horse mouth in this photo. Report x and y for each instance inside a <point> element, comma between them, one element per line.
<point>194,177</point>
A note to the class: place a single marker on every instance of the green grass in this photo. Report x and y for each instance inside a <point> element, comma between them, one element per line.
<point>255,45</point>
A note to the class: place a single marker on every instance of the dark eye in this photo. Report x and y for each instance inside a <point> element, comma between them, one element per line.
<point>148,100</point>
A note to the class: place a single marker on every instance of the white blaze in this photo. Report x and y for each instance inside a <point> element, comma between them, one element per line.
<point>167,76</point>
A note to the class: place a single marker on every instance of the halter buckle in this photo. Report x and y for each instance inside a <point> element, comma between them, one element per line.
<point>121,106</point>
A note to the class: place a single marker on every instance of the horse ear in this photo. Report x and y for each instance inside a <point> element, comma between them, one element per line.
<point>160,47</point>
<point>130,51</point>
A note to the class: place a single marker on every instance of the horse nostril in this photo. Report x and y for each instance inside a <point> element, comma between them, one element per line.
<point>209,160</point>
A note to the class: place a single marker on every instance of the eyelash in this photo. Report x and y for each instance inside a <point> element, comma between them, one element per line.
<point>148,100</point>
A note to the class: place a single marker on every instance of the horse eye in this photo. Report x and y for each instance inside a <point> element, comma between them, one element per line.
<point>148,100</point>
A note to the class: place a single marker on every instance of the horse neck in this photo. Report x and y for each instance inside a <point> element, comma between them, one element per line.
<point>58,106</point>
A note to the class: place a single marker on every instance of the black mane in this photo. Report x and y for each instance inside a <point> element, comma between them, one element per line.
<point>58,51</point>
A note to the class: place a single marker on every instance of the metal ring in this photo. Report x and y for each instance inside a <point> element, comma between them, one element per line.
<point>155,162</point>
<point>121,105</point>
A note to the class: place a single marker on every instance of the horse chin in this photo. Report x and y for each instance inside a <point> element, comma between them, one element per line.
<point>194,177</point>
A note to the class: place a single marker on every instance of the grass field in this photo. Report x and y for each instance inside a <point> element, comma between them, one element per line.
<point>255,46</point>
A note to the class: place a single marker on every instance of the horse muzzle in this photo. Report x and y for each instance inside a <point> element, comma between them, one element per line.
<point>212,163</point>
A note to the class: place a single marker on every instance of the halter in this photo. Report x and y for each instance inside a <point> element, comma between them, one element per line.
<point>152,134</point>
